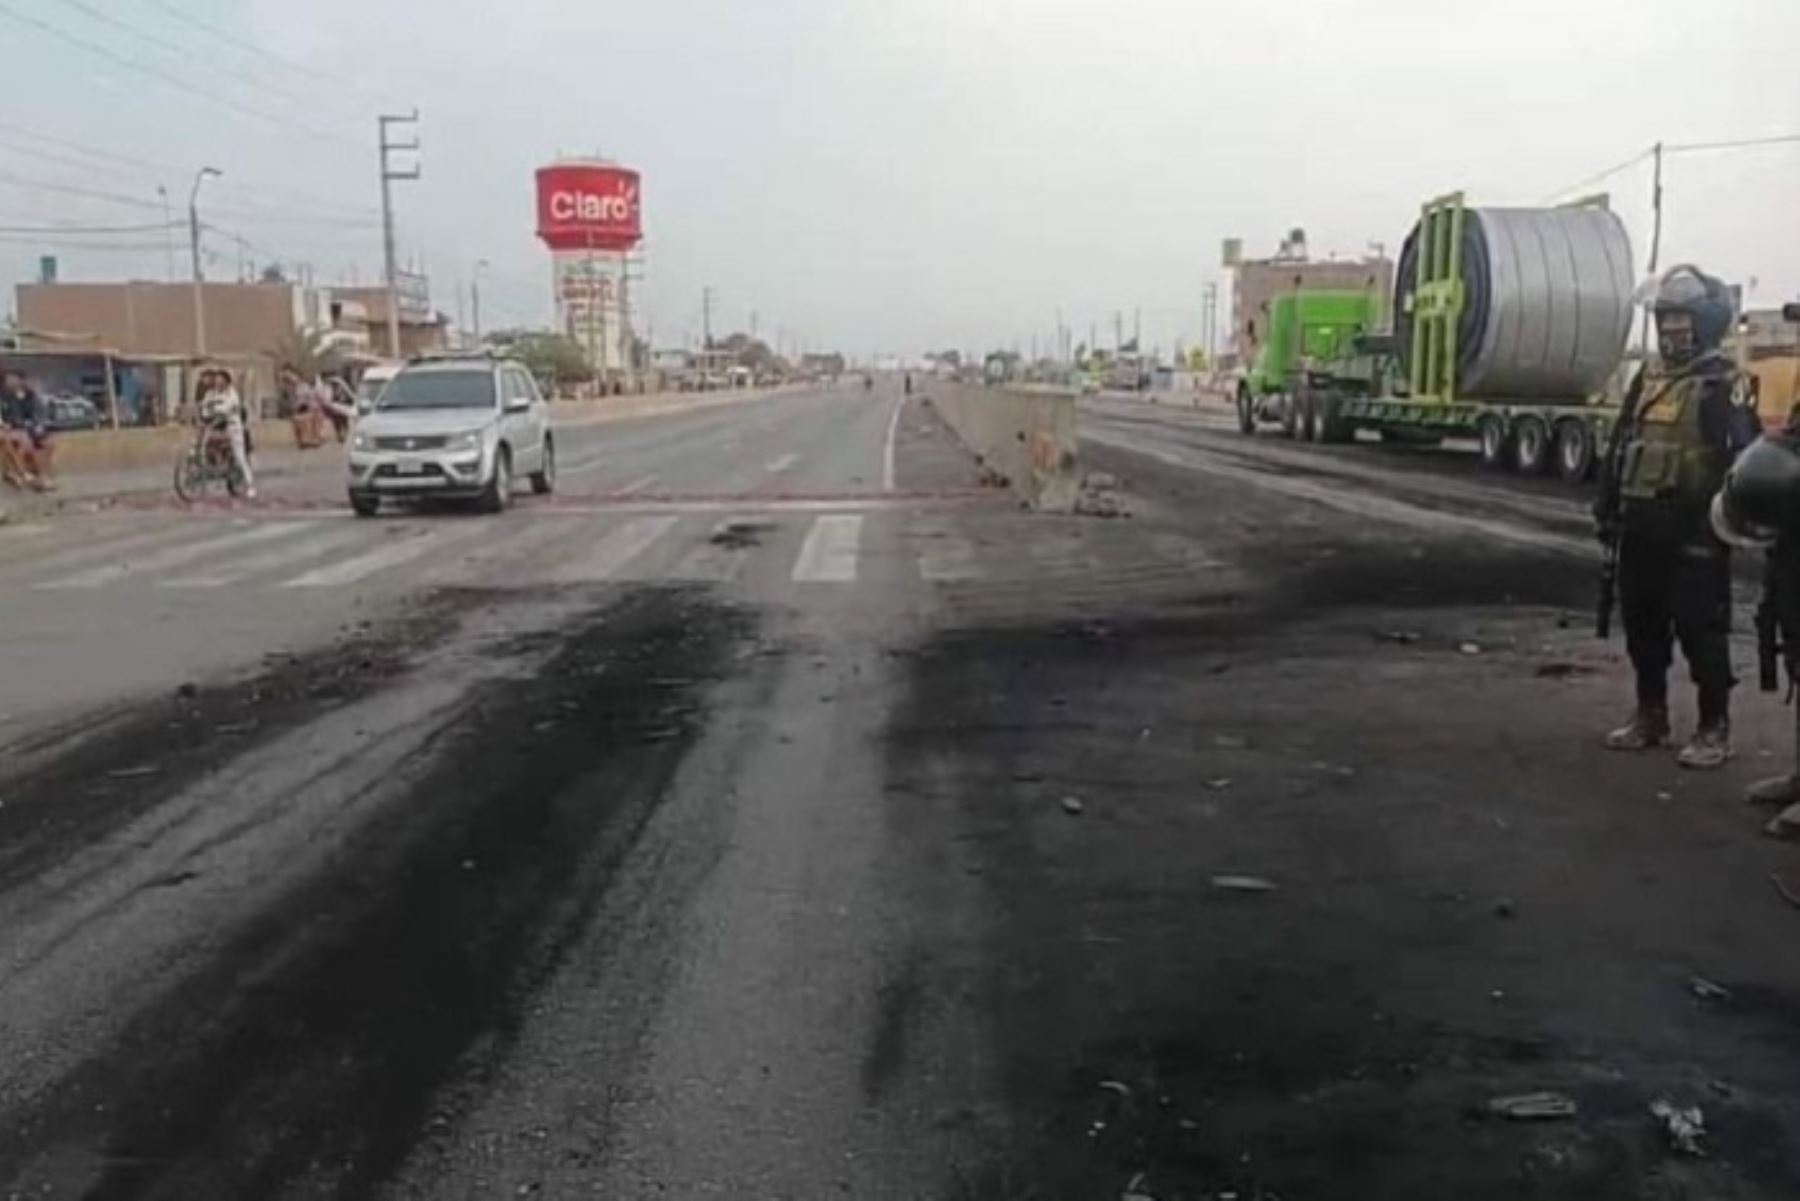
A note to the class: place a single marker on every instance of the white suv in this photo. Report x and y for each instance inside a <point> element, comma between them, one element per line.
<point>453,427</point>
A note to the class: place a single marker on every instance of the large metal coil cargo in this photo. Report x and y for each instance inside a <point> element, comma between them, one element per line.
<point>1547,302</point>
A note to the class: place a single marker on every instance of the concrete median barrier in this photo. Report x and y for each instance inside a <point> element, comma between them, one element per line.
<point>1026,435</point>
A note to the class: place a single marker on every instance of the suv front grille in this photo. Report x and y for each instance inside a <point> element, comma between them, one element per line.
<point>411,443</point>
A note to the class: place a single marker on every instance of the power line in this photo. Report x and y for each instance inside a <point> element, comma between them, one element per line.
<point>132,64</point>
<point>1772,140</point>
<point>72,190</point>
<point>1611,171</point>
<point>84,230</point>
<point>167,47</point>
<point>364,213</point>
<point>256,48</point>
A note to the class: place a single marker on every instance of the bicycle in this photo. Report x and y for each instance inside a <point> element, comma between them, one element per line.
<point>207,460</point>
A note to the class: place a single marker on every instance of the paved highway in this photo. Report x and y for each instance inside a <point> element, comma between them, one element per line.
<point>775,812</point>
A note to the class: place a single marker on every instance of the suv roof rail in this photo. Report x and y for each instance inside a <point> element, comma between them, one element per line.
<point>488,354</point>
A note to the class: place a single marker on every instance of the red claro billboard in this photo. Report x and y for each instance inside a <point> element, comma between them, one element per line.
<point>588,206</point>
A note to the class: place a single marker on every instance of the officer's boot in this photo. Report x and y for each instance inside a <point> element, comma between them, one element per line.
<point>1648,727</point>
<point>1710,746</point>
<point>1781,790</point>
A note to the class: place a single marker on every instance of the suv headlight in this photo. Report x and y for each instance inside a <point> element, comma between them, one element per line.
<point>470,441</point>
<point>361,441</point>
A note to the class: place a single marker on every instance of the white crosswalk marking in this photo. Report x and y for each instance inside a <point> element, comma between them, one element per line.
<point>721,556</point>
<point>780,464</point>
<point>112,547</point>
<point>175,556</point>
<point>614,549</point>
<point>286,555</point>
<point>947,557</point>
<point>498,555</point>
<point>829,553</point>
<point>399,549</point>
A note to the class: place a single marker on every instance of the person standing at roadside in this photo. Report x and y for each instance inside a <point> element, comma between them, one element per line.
<point>22,411</point>
<point>1682,431</point>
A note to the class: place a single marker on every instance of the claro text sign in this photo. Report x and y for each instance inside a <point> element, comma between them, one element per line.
<point>588,206</point>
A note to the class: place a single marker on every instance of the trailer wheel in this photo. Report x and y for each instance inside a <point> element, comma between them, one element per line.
<point>1290,416</point>
<point>1575,450</point>
<point>1496,446</point>
<point>1246,409</point>
<point>1531,446</point>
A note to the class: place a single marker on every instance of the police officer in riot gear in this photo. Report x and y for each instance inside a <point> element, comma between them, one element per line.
<point>1681,429</point>
<point>1759,506</point>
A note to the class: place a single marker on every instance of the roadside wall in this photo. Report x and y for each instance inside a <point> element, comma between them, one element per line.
<point>1025,434</point>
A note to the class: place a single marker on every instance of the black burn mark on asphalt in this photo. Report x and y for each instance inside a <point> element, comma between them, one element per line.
<point>897,1004</point>
<point>89,785</point>
<point>1301,1045</point>
<point>741,535</point>
<point>1439,575</point>
<point>309,1047</point>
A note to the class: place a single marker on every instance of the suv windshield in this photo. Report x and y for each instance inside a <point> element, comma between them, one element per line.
<point>473,389</point>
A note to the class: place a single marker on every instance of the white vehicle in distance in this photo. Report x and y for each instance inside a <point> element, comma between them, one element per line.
<point>453,427</point>
<point>369,385</point>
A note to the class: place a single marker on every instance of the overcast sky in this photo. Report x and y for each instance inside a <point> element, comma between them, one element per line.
<point>893,174</point>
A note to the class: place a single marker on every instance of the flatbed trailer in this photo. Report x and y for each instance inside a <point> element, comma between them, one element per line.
<point>1418,402</point>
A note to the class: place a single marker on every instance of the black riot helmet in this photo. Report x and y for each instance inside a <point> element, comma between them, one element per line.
<point>1761,497</point>
<point>1687,292</point>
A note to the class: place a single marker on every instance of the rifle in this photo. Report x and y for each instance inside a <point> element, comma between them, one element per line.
<point>1609,505</point>
<point>1768,645</point>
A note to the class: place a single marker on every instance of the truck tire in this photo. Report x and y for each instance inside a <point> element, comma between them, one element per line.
<point>1290,416</point>
<point>1532,449</point>
<point>1309,414</point>
<point>1246,409</point>
<point>1575,450</point>
<point>1496,444</point>
<point>1333,428</point>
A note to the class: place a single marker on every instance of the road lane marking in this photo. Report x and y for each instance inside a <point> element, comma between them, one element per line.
<point>175,556</point>
<point>829,553</point>
<point>114,545</point>
<point>637,485</point>
<point>402,549</point>
<point>288,555</point>
<point>13,533</point>
<point>614,549</point>
<point>780,464</point>
<point>500,552</point>
<point>887,451</point>
<point>947,557</point>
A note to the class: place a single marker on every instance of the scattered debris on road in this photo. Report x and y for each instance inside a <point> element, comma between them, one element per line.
<point>133,773</point>
<point>1504,907</point>
<point>1400,637</point>
<point>1218,782</point>
<point>1072,806</point>
<point>1684,1126</point>
<point>1533,1107</point>
<point>1562,670</point>
<point>1784,824</point>
<point>1706,990</point>
<point>1243,884</point>
<point>1781,886</point>
<point>1470,648</point>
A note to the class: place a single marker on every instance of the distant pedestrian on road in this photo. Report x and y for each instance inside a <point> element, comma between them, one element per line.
<point>30,453</point>
<point>909,383</point>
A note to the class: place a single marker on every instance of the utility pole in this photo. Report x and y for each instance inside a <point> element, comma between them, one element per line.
<point>706,303</point>
<point>1118,332</point>
<point>168,231</point>
<point>475,298</point>
<point>200,177</point>
<point>390,173</point>
<point>1656,206</point>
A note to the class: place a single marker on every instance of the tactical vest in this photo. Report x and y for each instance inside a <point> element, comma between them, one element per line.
<point>1669,458</point>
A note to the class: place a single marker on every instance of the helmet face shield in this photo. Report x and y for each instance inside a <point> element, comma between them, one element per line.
<point>1693,311</point>
<point>1731,529</point>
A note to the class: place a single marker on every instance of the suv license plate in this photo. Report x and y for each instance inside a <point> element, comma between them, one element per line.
<point>409,469</point>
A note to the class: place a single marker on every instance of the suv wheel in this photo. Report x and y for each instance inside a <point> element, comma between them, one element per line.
<point>365,504</point>
<point>499,489</point>
<point>543,480</point>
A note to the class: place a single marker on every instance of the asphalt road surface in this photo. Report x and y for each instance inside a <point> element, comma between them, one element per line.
<point>774,812</point>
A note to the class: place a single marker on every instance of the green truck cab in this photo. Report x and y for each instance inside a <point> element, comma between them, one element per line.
<point>1305,331</point>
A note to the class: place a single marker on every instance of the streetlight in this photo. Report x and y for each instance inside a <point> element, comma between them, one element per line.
<point>194,244</point>
<point>475,298</point>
